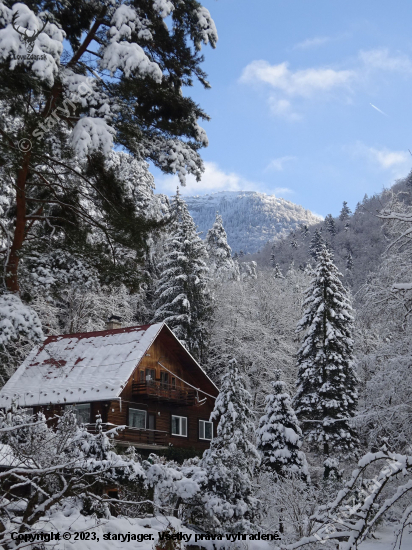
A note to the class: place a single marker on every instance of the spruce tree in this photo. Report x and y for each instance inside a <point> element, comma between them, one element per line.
<point>345,212</point>
<point>330,224</point>
<point>232,457</point>
<point>182,297</point>
<point>316,243</point>
<point>326,388</point>
<point>220,253</point>
<point>279,435</point>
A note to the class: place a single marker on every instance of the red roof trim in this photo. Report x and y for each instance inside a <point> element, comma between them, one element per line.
<point>80,335</point>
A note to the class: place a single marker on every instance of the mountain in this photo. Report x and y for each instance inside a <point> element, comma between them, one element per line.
<point>251,219</point>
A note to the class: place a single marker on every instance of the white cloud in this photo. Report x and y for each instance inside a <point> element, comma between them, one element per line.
<point>282,108</point>
<point>380,59</point>
<point>303,83</point>
<point>287,88</point>
<point>312,43</point>
<point>213,179</point>
<point>389,159</point>
<point>383,158</point>
<point>278,163</point>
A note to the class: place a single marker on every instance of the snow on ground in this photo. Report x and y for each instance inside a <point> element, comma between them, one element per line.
<point>74,522</point>
<point>384,540</point>
<point>71,521</point>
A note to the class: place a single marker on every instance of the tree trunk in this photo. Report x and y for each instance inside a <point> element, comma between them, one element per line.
<point>12,281</point>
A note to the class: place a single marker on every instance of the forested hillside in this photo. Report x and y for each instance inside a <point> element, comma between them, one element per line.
<point>358,239</point>
<point>251,219</point>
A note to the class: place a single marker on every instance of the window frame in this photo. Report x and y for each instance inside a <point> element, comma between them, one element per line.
<point>128,418</point>
<point>204,431</point>
<point>75,407</point>
<point>172,416</point>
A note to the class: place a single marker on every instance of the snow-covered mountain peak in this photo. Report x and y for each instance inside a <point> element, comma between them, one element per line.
<point>250,218</point>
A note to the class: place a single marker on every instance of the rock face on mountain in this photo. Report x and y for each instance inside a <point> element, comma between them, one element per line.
<point>251,219</point>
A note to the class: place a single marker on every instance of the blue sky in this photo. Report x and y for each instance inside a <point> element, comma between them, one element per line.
<point>311,101</point>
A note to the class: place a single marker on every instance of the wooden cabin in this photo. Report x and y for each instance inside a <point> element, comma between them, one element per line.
<point>140,377</point>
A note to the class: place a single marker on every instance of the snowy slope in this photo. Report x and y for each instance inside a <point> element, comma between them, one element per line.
<point>249,218</point>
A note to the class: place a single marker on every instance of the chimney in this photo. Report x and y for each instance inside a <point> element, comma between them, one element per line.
<point>114,321</point>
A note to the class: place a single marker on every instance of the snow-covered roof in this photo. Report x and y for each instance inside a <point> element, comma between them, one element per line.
<point>76,368</point>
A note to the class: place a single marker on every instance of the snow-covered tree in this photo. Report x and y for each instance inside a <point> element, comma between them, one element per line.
<point>330,224</point>
<point>304,230</point>
<point>221,262</point>
<point>277,273</point>
<point>326,388</point>
<point>349,261</point>
<point>108,73</point>
<point>183,300</point>
<point>316,243</point>
<point>345,212</point>
<point>232,457</point>
<point>279,436</point>
<point>248,270</point>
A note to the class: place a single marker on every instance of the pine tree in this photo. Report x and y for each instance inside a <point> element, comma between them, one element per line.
<point>232,457</point>
<point>111,73</point>
<point>182,298</point>
<point>316,243</point>
<point>345,212</point>
<point>330,224</point>
<point>326,388</point>
<point>277,274</point>
<point>220,253</point>
<point>279,435</point>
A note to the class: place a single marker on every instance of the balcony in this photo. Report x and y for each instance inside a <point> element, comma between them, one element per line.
<point>135,437</point>
<point>159,391</point>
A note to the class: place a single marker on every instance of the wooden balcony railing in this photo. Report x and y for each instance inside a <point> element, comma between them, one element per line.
<point>155,390</point>
<point>133,435</point>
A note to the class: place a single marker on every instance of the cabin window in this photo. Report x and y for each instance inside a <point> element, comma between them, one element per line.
<point>82,412</point>
<point>137,419</point>
<point>150,375</point>
<point>141,376</point>
<point>173,383</point>
<point>29,411</point>
<point>205,430</point>
<point>164,379</point>
<point>179,425</point>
